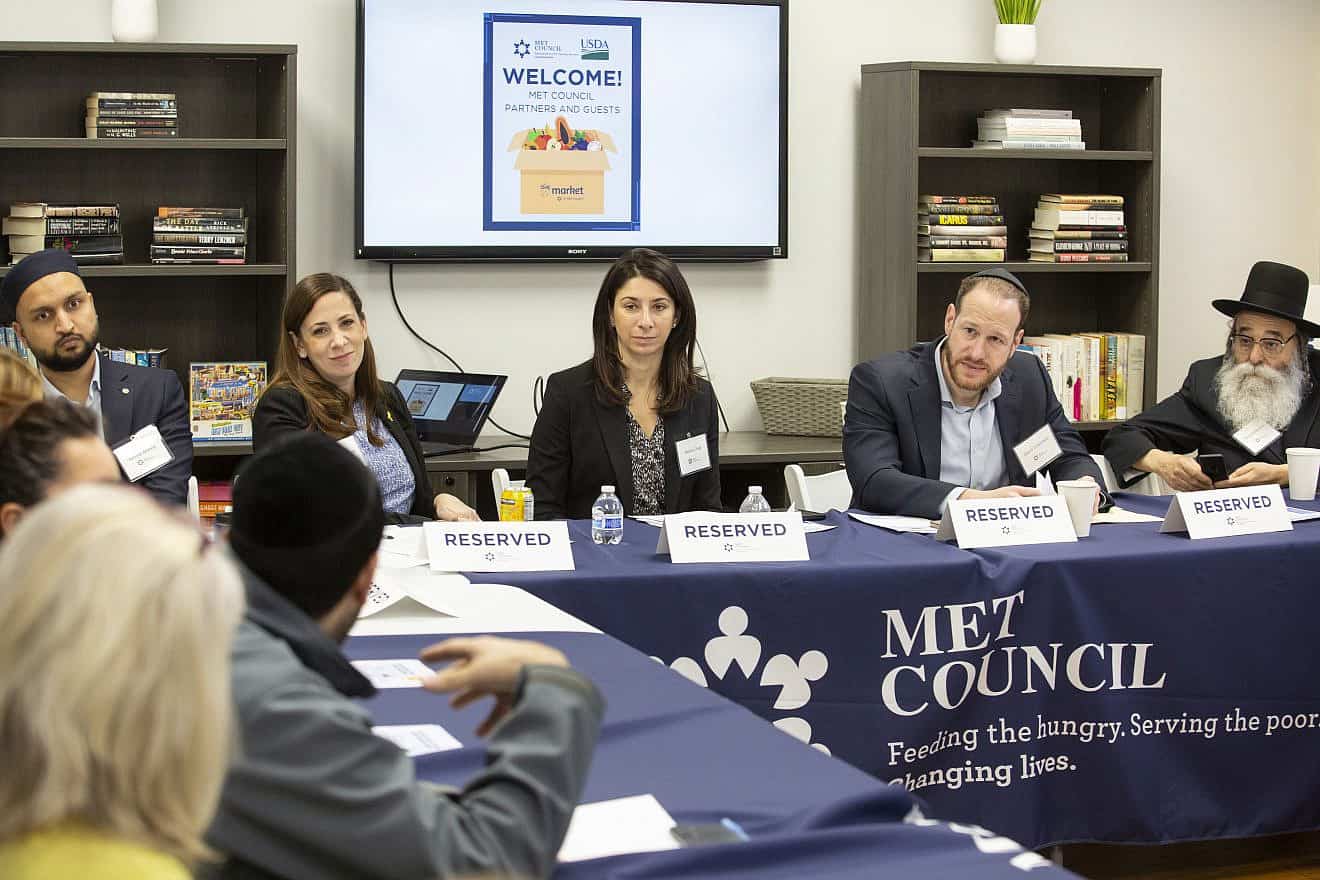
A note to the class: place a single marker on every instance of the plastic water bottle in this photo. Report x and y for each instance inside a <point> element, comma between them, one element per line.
<point>607,517</point>
<point>754,502</point>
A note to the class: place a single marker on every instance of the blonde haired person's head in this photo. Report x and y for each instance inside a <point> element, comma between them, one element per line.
<point>115,705</point>
<point>19,386</point>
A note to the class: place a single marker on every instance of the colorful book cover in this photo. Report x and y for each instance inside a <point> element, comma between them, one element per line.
<point>562,122</point>
<point>222,397</point>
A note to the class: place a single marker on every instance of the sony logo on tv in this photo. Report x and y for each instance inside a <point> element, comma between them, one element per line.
<point>577,252</point>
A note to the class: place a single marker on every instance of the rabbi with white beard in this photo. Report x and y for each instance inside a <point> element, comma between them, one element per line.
<point>1249,405</point>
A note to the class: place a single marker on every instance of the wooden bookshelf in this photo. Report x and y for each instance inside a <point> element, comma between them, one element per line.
<point>918,120</point>
<point>236,147</point>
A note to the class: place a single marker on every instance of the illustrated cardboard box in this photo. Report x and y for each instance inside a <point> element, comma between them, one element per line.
<point>562,181</point>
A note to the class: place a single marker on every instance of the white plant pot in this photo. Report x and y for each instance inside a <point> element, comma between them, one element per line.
<point>1015,43</point>
<point>133,21</point>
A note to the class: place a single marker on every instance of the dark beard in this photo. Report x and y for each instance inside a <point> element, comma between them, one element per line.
<point>56,362</point>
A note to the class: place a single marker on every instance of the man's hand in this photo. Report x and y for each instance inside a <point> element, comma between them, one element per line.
<point>485,666</point>
<point>1002,492</point>
<point>1255,473</point>
<point>1181,472</point>
<point>450,509</point>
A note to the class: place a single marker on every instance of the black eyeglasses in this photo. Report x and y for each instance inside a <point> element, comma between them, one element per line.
<point>1243,343</point>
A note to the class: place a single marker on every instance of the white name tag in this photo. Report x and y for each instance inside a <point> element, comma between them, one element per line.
<point>143,454</point>
<point>1217,513</point>
<point>693,455</point>
<point>498,546</point>
<point>1003,522</point>
<point>1256,436</point>
<point>733,537</point>
<point>1038,450</point>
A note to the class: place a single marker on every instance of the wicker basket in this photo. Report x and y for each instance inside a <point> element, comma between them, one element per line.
<point>808,407</point>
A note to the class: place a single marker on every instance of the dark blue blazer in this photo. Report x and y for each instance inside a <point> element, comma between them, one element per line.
<point>891,433</point>
<point>134,397</point>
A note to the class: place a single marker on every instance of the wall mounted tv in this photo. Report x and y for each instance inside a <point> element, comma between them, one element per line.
<point>544,130</point>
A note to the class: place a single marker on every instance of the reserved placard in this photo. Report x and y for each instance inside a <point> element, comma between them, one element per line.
<point>498,546</point>
<point>733,537</point>
<point>1003,522</point>
<point>1218,513</point>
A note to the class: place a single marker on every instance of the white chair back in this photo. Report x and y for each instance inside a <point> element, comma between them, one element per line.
<point>819,493</point>
<point>499,481</point>
<point>194,499</point>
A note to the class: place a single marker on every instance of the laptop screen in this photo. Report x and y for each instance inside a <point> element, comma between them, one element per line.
<point>449,407</point>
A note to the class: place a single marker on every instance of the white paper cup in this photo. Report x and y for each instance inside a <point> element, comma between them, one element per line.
<point>1080,496</point>
<point>1303,467</point>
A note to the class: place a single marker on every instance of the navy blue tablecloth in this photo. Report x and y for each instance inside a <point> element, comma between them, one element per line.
<point>1133,686</point>
<point>706,759</point>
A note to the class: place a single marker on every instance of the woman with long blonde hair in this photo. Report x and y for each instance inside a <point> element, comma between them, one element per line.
<point>115,708</point>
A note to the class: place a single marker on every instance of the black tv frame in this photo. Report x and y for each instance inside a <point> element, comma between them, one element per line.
<point>578,253</point>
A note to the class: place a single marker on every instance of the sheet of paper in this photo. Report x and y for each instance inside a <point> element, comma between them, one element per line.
<point>657,520</point>
<point>914,524</point>
<point>617,827</point>
<point>418,739</point>
<point>393,673</point>
<point>1298,514</point>
<point>402,547</point>
<point>1119,515</point>
<point>812,527</point>
<point>438,592</point>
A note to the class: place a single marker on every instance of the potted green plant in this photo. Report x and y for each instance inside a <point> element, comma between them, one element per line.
<point>1015,35</point>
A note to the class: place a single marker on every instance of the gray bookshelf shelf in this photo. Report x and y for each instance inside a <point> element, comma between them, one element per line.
<point>179,143</point>
<point>917,123</point>
<point>217,449</point>
<point>153,271</point>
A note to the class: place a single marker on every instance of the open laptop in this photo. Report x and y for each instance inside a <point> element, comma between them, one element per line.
<point>449,409</point>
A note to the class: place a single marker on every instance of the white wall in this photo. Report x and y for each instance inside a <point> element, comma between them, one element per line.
<point>1241,126</point>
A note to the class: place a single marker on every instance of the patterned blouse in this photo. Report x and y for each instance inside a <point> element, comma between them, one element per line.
<point>648,465</point>
<point>387,462</point>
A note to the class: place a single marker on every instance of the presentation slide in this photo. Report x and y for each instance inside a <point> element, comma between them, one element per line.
<point>585,122</point>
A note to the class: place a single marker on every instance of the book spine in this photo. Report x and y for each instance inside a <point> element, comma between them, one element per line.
<point>1039,145</point>
<point>1111,377</point>
<point>198,224</point>
<point>1136,373</point>
<point>124,133</point>
<point>82,226</point>
<point>133,96</point>
<point>103,104</point>
<point>199,261</point>
<point>174,211</point>
<point>82,210</point>
<point>1082,227</point>
<point>1091,258</point>
<point>1120,368</point>
<point>98,259</point>
<point>1065,234</point>
<point>1090,246</point>
<point>206,252</point>
<point>86,244</point>
<point>958,200</point>
<point>963,220</point>
<point>1090,218</point>
<point>1064,201</point>
<point>960,255</point>
<point>992,208</point>
<point>990,241</point>
<point>196,238</point>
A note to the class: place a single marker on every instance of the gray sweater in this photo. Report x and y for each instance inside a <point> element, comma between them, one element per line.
<point>313,793</point>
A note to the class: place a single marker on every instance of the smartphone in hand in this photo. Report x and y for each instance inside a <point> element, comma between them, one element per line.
<point>1212,465</point>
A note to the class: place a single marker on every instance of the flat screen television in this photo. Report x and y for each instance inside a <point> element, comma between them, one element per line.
<point>543,130</point>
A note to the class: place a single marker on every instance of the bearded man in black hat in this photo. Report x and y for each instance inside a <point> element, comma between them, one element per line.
<point>54,314</point>
<point>1249,405</point>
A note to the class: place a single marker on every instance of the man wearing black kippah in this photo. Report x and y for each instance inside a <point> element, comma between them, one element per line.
<point>947,419</point>
<point>55,316</point>
<point>312,792</point>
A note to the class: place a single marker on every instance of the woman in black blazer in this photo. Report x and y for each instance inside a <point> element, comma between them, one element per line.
<point>326,381</point>
<point>636,416</point>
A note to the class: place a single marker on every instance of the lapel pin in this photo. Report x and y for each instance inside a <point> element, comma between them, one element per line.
<point>123,390</point>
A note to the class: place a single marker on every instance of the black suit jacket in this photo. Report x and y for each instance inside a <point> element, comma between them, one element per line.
<point>134,397</point>
<point>579,444</point>
<point>891,434</point>
<point>1189,421</point>
<point>282,411</point>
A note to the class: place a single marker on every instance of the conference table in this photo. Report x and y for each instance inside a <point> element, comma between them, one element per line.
<point>1130,687</point>
<point>701,757</point>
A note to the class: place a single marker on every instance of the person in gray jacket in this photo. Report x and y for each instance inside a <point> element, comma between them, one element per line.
<point>311,792</point>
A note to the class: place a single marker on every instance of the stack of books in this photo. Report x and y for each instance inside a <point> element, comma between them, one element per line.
<point>1028,129</point>
<point>960,229</point>
<point>1096,376</point>
<point>9,339</point>
<point>216,236</point>
<point>132,115</point>
<point>1074,228</point>
<point>142,357</point>
<point>213,497</point>
<point>89,232</point>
